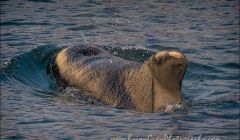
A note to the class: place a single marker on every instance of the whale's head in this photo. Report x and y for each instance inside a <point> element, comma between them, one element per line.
<point>168,69</point>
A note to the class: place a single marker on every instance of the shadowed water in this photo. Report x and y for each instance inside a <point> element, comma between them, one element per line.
<point>33,106</point>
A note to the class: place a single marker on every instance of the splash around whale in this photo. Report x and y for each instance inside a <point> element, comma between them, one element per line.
<point>146,87</point>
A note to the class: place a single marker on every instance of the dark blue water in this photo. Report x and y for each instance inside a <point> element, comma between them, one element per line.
<point>33,106</point>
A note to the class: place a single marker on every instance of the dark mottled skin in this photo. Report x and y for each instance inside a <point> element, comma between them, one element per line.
<point>115,81</point>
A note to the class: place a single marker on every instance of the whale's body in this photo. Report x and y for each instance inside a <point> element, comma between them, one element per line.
<point>147,87</point>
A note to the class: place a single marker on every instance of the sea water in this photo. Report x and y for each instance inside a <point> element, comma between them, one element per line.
<point>33,106</point>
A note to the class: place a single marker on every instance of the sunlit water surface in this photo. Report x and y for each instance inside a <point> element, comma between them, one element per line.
<point>32,31</point>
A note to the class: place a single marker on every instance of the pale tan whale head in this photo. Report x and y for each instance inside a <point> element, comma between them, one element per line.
<point>168,69</point>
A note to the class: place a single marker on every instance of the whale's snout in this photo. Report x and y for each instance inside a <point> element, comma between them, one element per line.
<point>164,56</point>
<point>169,67</point>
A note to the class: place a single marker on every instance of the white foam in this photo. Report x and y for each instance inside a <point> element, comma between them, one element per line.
<point>173,107</point>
